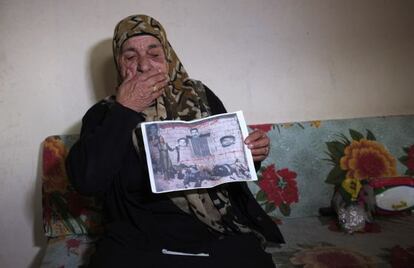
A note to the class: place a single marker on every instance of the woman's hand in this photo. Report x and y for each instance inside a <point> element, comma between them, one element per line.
<point>139,90</point>
<point>259,143</point>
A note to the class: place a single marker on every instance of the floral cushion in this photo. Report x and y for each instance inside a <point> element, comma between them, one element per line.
<point>308,159</point>
<point>65,211</point>
<point>312,242</point>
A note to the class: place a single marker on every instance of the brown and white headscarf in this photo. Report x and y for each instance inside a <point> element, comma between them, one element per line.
<point>184,99</point>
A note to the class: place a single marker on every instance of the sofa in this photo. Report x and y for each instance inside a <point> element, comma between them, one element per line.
<point>308,160</point>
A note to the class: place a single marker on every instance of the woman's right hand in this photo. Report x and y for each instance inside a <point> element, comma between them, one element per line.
<point>139,90</point>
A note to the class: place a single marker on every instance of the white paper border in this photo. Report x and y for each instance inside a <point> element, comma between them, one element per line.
<point>244,131</point>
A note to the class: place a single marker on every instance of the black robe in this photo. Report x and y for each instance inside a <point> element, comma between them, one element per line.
<point>140,224</point>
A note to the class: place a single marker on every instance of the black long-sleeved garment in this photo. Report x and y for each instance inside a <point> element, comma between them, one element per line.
<point>138,223</point>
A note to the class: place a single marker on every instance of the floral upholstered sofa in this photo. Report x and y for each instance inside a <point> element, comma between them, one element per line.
<point>307,160</point>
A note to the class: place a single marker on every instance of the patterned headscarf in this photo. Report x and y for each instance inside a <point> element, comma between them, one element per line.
<point>184,99</point>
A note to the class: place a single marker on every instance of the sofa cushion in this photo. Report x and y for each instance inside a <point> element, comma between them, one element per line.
<point>65,211</point>
<point>317,242</point>
<point>304,156</point>
<point>311,242</point>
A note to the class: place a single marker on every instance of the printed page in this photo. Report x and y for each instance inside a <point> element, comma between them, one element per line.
<point>185,155</point>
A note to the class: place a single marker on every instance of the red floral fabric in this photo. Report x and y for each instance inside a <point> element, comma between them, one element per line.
<point>410,161</point>
<point>279,185</point>
<point>328,256</point>
<point>263,127</point>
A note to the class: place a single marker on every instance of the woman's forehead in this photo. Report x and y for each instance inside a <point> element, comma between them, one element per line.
<point>141,42</point>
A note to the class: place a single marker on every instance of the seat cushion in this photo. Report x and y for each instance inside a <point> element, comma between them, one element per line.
<point>317,242</point>
<point>69,251</point>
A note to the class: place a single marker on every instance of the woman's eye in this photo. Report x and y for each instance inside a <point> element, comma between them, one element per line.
<point>129,56</point>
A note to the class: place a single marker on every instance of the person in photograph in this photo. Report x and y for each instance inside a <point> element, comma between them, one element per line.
<point>165,165</point>
<point>199,143</point>
<point>218,227</point>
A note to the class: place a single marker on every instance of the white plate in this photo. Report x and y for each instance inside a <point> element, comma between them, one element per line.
<point>396,198</point>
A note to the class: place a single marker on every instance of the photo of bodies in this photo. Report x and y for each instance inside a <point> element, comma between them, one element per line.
<point>201,154</point>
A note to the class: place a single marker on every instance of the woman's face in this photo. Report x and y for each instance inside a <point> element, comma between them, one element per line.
<point>140,54</point>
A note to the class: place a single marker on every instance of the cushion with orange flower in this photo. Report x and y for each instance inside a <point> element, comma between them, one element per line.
<point>64,210</point>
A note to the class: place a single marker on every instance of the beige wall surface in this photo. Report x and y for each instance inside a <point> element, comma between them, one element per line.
<point>278,61</point>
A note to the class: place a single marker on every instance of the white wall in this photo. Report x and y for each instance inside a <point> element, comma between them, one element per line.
<point>278,61</point>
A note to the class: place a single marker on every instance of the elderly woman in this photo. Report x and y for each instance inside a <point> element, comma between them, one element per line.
<point>219,227</point>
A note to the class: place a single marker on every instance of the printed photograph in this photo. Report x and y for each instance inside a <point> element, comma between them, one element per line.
<point>198,154</point>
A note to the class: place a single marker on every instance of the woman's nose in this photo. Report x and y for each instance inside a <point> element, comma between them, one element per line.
<point>144,65</point>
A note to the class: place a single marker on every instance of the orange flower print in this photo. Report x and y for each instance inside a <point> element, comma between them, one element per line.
<point>287,125</point>
<point>54,154</point>
<point>316,124</point>
<point>367,159</point>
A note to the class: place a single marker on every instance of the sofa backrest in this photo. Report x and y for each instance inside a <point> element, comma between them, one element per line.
<point>291,180</point>
<point>304,156</point>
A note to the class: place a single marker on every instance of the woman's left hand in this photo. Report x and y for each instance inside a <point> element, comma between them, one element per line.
<point>259,143</point>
